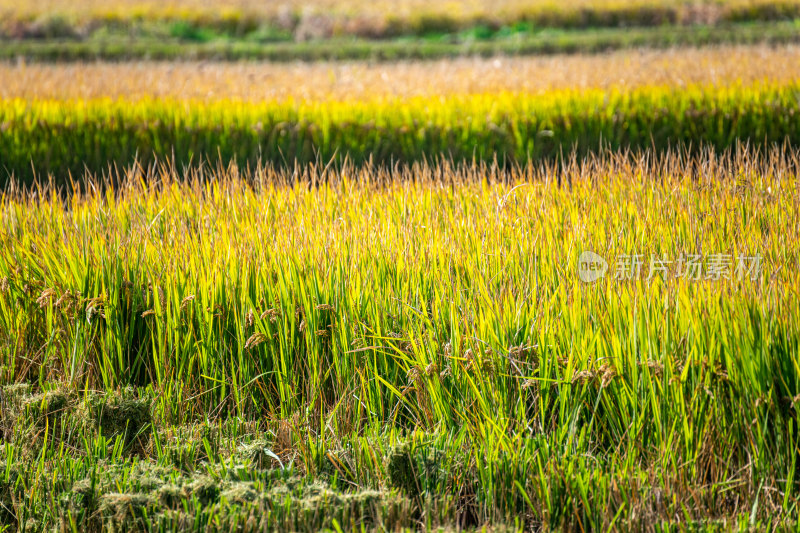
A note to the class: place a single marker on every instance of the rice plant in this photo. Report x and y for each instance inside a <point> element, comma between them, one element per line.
<point>420,346</point>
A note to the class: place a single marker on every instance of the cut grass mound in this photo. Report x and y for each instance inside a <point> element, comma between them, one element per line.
<point>121,415</point>
<point>254,491</point>
<point>30,420</point>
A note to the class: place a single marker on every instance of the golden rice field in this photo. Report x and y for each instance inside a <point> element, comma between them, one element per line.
<point>74,118</point>
<point>366,348</point>
<point>63,140</point>
<point>506,294</point>
<point>319,82</point>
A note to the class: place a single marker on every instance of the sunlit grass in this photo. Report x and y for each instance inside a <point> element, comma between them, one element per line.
<point>63,137</point>
<point>423,330</point>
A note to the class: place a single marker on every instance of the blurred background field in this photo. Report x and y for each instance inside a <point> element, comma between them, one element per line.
<point>58,30</point>
<point>362,81</point>
<point>327,18</point>
<point>73,119</point>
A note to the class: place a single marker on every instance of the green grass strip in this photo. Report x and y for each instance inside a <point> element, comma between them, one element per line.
<point>543,42</point>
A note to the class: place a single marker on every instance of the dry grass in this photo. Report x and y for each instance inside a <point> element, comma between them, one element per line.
<point>363,81</point>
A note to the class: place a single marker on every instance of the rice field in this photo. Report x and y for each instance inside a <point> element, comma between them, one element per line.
<point>70,119</point>
<point>483,294</point>
<point>365,82</point>
<point>411,348</point>
<point>74,137</point>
